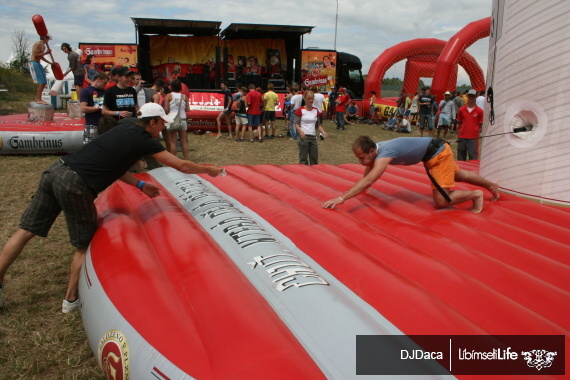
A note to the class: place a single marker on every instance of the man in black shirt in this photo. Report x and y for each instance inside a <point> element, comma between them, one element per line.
<point>426,103</point>
<point>121,100</point>
<point>72,183</point>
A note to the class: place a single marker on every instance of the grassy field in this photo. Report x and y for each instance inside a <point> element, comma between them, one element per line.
<point>37,341</point>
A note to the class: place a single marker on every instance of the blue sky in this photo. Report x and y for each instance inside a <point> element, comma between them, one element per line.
<point>365,27</point>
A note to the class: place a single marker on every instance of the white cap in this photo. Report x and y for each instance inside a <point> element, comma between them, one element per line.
<point>153,110</point>
<point>447,93</point>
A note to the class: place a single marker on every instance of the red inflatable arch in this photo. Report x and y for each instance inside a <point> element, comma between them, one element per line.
<point>420,69</point>
<point>421,52</point>
<point>453,50</point>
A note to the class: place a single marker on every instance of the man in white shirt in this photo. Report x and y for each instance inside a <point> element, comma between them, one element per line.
<point>403,125</point>
<point>480,101</point>
<point>296,102</point>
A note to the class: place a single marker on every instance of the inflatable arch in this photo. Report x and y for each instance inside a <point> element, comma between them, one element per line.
<point>419,50</point>
<point>247,277</point>
<point>454,48</point>
<point>415,70</point>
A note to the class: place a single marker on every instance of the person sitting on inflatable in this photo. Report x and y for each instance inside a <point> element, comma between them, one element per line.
<point>438,160</point>
<point>72,183</point>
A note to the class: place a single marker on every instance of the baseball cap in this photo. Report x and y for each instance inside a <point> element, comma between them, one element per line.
<point>447,93</point>
<point>472,92</point>
<point>153,110</point>
<point>123,71</point>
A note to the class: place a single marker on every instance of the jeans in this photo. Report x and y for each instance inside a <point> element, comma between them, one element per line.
<point>426,118</point>
<point>292,122</point>
<point>340,120</point>
<point>466,148</point>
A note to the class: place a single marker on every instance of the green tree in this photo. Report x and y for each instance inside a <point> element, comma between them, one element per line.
<point>20,51</point>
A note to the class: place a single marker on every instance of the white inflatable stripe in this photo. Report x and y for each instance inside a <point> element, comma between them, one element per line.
<point>321,312</point>
<point>148,362</point>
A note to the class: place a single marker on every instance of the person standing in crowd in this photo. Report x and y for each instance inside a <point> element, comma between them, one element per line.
<point>113,78</point>
<point>39,51</point>
<point>270,101</point>
<point>414,107</point>
<point>341,103</point>
<point>402,100</point>
<point>143,94</point>
<point>307,122</point>
<point>72,183</point>
<point>470,120</point>
<point>372,102</point>
<point>446,114</point>
<point>318,103</point>
<point>177,103</point>
<point>480,101</point>
<point>253,105</point>
<point>156,88</point>
<point>75,67</point>
<point>286,107</point>
<point>147,95</point>
<point>436,156</point>
<point>91,101</point>
<point>333,94</point>
<point>296,102</point>
<point>120,100</point>
<point>226,112</point>
<point>240,113</point>
<point>426,101</point>
<point>458,100</point>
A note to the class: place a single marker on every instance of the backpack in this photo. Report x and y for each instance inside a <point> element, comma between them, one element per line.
<point>236,104</point>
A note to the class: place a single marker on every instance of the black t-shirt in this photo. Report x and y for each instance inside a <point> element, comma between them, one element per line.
<point>227,98</point>
<point>119,99</point>
<point>105,159</point>
<point>93,97</point>
<point>426,109</point>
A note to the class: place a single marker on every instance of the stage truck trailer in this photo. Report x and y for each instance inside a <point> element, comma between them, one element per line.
<point>202,55</point>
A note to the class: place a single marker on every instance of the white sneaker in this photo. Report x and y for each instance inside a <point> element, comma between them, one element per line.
<point>67,306</point>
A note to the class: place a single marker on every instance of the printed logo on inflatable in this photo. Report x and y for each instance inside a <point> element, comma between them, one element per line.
<point>114,355</point>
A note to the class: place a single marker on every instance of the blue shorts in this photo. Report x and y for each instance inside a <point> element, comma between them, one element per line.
<point>253,120</point>
<point>38,73</point>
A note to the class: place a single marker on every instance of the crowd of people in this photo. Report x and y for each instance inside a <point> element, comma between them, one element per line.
<point>458,113</point>
<point>123,119</point>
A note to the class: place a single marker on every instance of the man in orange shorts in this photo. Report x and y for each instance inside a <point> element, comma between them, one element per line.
<point>439,162</point>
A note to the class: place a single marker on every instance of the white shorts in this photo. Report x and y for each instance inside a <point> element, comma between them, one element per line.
<point>241,120</point>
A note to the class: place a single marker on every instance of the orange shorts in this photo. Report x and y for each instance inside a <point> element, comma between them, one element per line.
<point>443,168</point>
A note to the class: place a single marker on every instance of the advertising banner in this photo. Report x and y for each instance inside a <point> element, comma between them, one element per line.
<point>103,57</point>
<point>318,69</point>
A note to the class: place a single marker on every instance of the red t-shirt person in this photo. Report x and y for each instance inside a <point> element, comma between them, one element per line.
<point>470,122</point>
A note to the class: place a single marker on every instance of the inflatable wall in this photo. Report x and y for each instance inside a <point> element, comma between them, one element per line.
<point>19,136</point>
<point>247,277</point>
<point>529,75</point>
